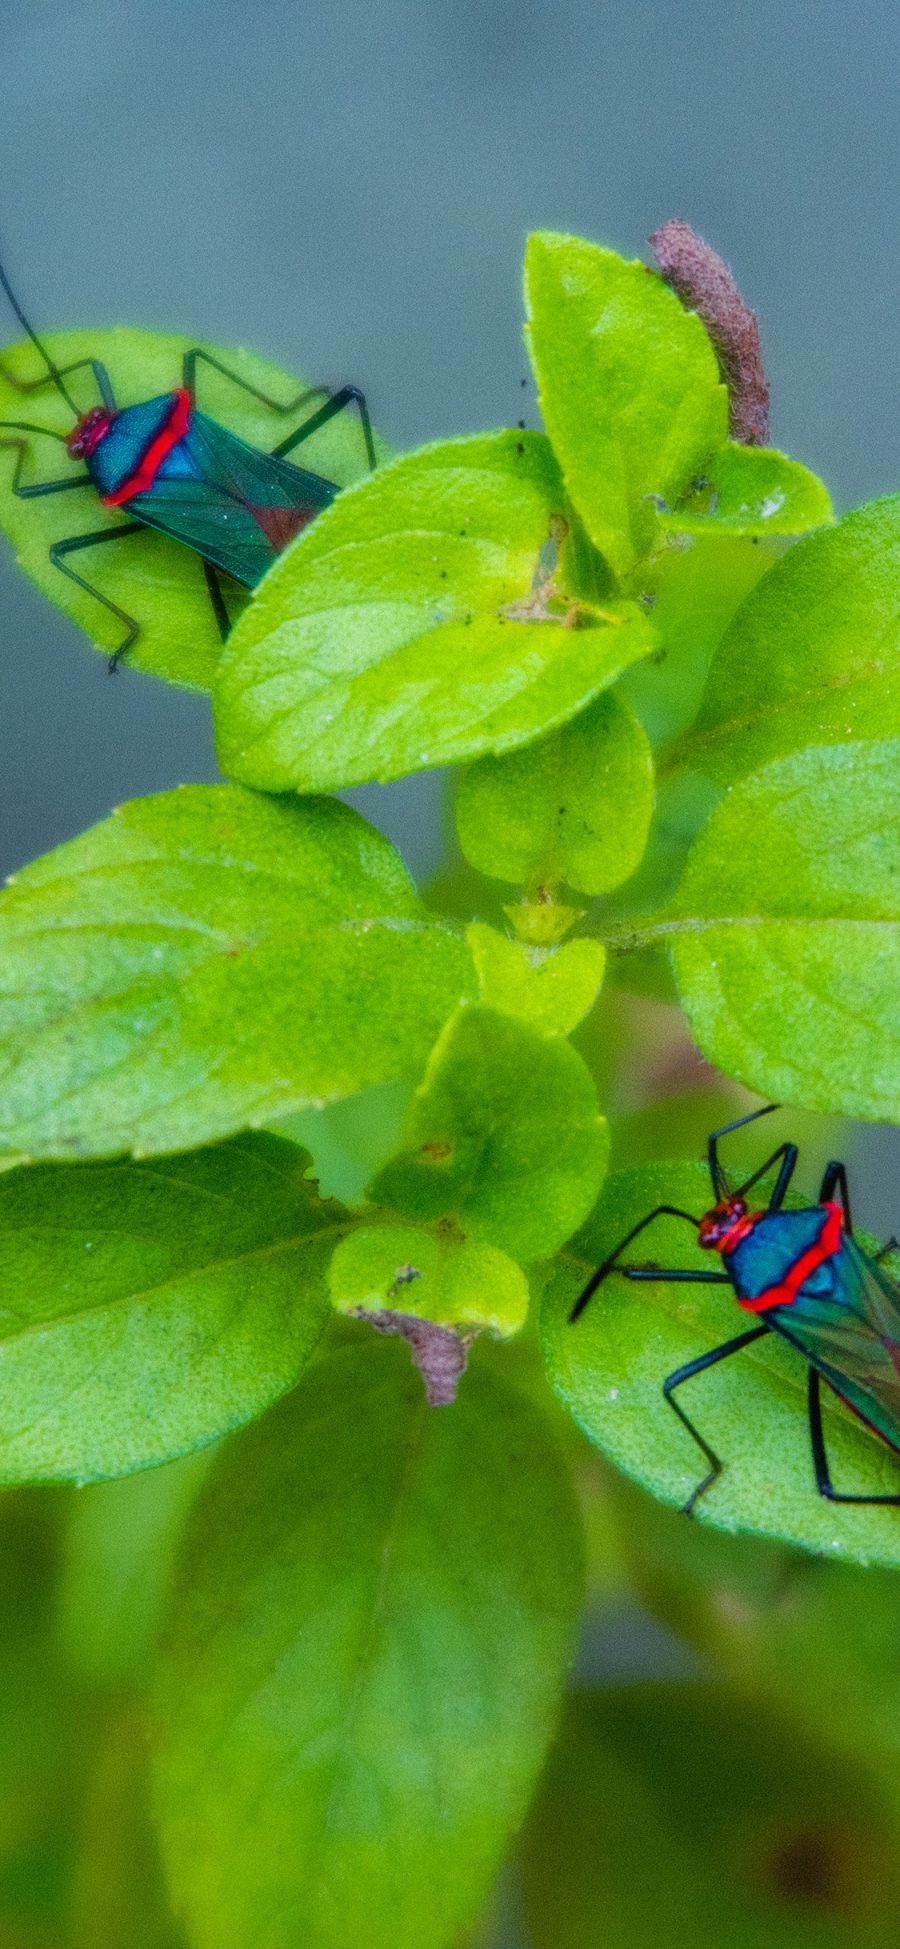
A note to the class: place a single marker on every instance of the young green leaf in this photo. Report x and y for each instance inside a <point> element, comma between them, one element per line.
<point>687,1813</point>
<point>207,959</point>
<point>574,806</point>
<point>365,1650</point>
<point>431,1273</point>
<point>410,627</point>
<point>609,1366</point>
<point>155,580</point>
<point>750,491</point>
<point>629,388</point>
<point>504,1136</point>
<point>553,988</point>
<point>811,656</point>
<point>149,1308</point>
<point>785,932</point>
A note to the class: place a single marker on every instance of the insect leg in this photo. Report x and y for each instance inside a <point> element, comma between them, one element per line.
<point>788,1154</point>
<point>277,405</point>
<point>596,1279</point>
<point>719,1182</point>
<point>835,1179</point>
<point>687,1373</point>
<point>348,396</point>
<point>96,540</point>
<point>47,379</point>
<point>671,1278</point>
<point>892,1245</point>
<point>217,599</point>
<point>824,1483</point>
<point>28,492</point>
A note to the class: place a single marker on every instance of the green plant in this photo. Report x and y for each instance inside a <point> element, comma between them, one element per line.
<point>676,720</point>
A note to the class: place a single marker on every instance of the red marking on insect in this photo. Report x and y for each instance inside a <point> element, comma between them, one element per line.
<point>89,432</point>
<point>145,473</point>
<point>282,524</point>
<point>724,1227</point>
<point>826,1246</point>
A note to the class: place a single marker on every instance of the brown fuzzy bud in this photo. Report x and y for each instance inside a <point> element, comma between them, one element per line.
<point>702,281</point>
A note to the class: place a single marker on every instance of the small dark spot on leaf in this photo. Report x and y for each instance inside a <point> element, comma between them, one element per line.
<point>436,1150</point>
<point>404,1276</point>
<point>818,1866</point>
<point>520,448</point>
<point>443,575</point>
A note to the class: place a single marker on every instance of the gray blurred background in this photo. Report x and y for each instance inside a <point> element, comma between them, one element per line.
<point>347,189</point>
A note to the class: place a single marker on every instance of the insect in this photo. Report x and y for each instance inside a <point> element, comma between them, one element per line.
<point>169,466</point>
<point>800,1273</point>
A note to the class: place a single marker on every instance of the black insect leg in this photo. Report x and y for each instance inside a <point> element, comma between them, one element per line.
<point>671,1277</point>
<point>99,371</point>
<point>824,1483</point>
<point>788,1153</point>
<point>277,405</point>
<point>719,1181</point>
<point>892,1245</point>
<point>348,396</point>
<point>835,1179</point>
<point>687,1373</point>
<point>217,599</point>
<point>596,1279</point>
<point>97,540</point>
<point>34,488</point>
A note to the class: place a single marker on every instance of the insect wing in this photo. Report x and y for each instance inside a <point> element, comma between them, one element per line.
<point>234,505</point>
<point>852,1335</point>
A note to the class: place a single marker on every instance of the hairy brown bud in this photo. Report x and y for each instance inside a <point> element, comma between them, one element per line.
<point>701,279</point>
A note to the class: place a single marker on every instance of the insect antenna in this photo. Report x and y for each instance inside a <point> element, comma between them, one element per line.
<point>53,370</point>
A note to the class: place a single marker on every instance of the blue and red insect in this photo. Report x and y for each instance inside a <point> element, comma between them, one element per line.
<point>169,466</point>
<point>802,1274</point>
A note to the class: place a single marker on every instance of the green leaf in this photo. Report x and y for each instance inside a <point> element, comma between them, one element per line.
<point>551,988</point>
<point>797,1628</point>
<point>679,1814</point>
<point>504,1136</point>
<point>629,387</point>
<point>156,580</point>
<point>402,632</point>
<point>432,1274</point>
<point>811,656</point>
<point>149,1308</point>
<point>207,959</point>
<point>750,491</point>
<point>575,806</point>
<point>784,935</point>
<point>692,587</point>
<point>118,1895</point>
<point>366,1646</point>
<point>118,1548</point>
<point>609,1368</point>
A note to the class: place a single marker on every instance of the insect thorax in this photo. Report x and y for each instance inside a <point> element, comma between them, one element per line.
<point>769,1252</point>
